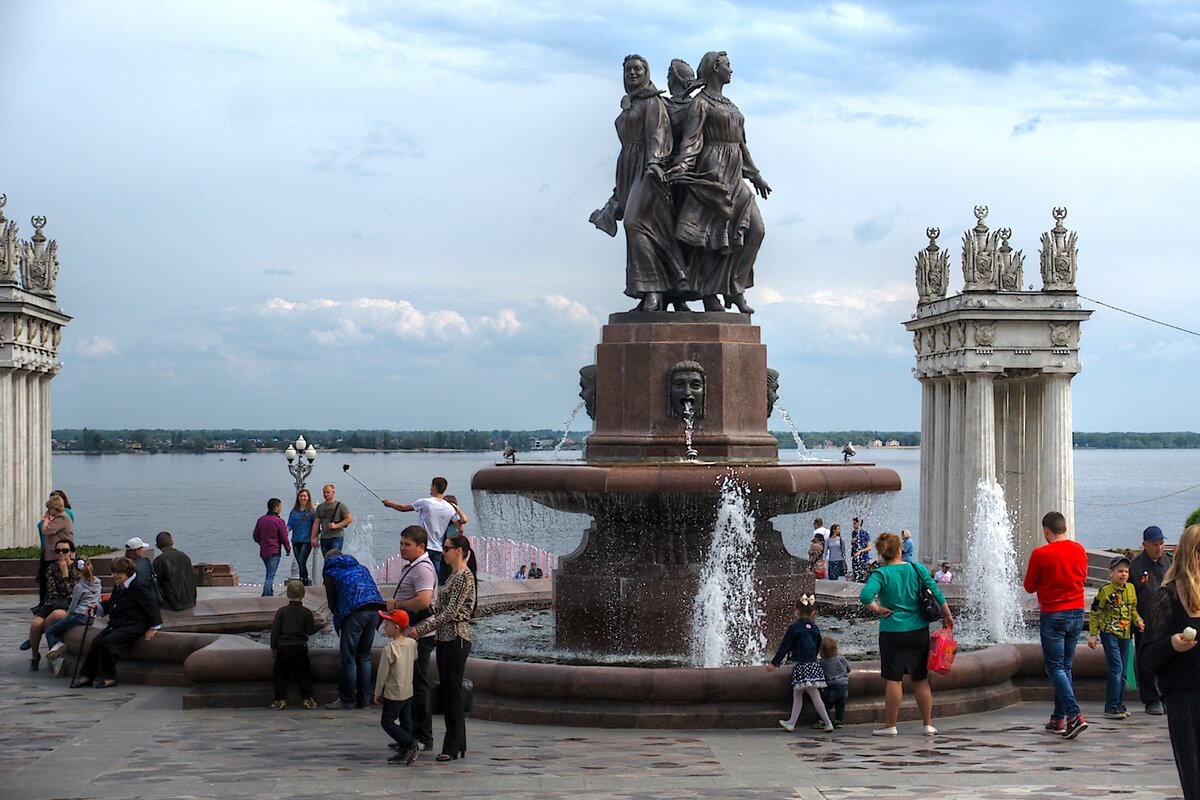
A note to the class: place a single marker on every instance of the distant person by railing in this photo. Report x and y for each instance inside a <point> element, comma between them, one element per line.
<point>500,558</point>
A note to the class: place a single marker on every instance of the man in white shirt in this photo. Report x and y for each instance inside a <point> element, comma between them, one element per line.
<point>436,516</point>
<point>819,529</point>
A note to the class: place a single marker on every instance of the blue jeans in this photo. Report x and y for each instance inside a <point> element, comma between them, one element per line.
<point>302,550</point>
<point>1116,653</point>
<point>55,632</point>
<point>1060,632</point>
<point>334,543</point>
<point>354,676</point>
<point>836,569</point>
<point>272,564</point>
<point>435,558</point>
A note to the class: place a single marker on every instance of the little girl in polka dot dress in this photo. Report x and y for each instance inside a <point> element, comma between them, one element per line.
<point>803,642</point>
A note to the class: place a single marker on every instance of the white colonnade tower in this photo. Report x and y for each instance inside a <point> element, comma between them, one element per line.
<point>995,364</point>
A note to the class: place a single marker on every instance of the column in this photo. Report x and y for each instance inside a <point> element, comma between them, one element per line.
<point>941,469</point>
<point>1058,469</point>
<point>980,431</point>
<point>1010,449</point>
<point>8,462</point>
<point>20,451</point>
<point>956,486</point>
<point>46,433</point>
<point>929,444</point>
<point>1029,533</point>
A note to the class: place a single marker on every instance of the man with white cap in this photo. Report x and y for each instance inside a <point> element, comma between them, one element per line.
<point>1146,574</point>
<point>135,552</point>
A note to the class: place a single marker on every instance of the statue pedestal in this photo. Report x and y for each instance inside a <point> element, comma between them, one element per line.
<point>633,366</point>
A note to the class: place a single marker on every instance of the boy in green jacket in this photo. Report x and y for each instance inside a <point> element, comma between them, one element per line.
<point>1114,614</point>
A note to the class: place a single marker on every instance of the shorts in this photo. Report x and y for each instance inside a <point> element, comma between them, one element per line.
<point>904,651</point>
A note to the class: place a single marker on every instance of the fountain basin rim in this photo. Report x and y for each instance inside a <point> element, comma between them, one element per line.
<point>676,477</point>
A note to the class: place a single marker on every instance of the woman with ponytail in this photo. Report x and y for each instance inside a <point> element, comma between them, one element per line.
<point>456,600</point>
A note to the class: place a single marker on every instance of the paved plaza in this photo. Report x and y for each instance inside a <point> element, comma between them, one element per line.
<point>135,741</point>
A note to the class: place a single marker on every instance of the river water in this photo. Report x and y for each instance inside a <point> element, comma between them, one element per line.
<point>210,502</point>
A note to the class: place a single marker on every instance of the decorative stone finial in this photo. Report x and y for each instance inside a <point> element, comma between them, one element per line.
<point>10,251</point>
<point>39,261</point>
<point>1009,265</point>
<point>933,270</point>
<point>979,256</point>
<point>1059,256</point>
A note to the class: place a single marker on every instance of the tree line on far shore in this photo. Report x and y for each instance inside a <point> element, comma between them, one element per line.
<point>160,440</point>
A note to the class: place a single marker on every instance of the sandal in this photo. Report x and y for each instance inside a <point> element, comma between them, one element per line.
<point>81,684</point>
<point>446,757</point>
<point>108,684</point>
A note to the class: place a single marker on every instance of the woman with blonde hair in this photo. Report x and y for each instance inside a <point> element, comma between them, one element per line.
<point>892,591</point>
<point>300,523</point>
<point>1169,650</point>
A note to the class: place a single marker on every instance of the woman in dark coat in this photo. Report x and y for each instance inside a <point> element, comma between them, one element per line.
<point>132,614</point>
<point>1169,650</point>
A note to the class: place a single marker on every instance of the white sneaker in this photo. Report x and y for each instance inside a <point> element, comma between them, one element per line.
<point>787,726</point>
<point>930,730</point>
<point>55,651</point>
<point>829,728</point>
<point>885,731</point>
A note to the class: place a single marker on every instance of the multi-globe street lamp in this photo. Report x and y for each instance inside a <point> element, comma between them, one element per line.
<point>300,458</point>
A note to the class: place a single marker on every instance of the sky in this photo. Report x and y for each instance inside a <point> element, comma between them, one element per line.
<point>322,215</point>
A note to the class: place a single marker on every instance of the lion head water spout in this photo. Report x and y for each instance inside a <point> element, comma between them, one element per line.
<point>993,609</point>
<point>727,624</point>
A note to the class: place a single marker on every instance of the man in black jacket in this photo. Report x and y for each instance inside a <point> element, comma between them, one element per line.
<point>132,614</point>
<point>173,569</point>
<point>1146,573</point>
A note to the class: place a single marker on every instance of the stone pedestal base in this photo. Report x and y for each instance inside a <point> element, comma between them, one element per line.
<point>633,366</point>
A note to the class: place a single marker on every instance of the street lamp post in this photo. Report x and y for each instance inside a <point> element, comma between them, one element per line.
<point>300,458</point>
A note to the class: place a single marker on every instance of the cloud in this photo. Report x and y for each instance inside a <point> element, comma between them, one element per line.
<point>574,311</point>
<point>98,347</point>
<point>875,228</point>
<point>279,271</point>
<point>365,156</point>
<point>1028,126</point>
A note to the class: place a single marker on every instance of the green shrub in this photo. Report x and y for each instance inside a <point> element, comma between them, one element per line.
<point>1193,519</point>
<point>33,551</point>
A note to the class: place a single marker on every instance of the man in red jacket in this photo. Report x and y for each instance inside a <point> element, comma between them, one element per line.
<point>1057,572</point>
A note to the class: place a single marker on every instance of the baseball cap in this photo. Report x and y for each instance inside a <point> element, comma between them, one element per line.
<point>1152,534</point>
<point>1117,560</point>
<point>135,544</point>
<point>399,616</point>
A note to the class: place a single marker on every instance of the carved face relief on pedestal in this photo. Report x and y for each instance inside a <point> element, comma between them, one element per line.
<point>587,389</point>
<point>772,389</point>
<point>685,385</point>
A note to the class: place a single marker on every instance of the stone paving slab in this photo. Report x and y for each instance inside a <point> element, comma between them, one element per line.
<point>137,742</point>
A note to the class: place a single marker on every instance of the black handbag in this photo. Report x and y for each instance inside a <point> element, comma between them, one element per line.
<point>437,704</point>
<point>927,603</point>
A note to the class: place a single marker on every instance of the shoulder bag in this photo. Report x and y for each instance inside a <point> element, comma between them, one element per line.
<point>927,603</point>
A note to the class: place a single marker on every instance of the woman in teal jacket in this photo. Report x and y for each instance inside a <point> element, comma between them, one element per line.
<point>891,592</point>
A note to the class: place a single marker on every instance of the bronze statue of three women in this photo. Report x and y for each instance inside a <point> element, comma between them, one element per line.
<point>692,225</point>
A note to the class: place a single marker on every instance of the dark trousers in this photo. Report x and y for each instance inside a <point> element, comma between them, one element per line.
<point>834,697</point>
<point>452,665</point>
<point>1146,680</point>
<point>107,648</point>
<point>1183,723</point>
<point>291,664</point>
<point>422,719</point>
<point>396,720</point>
<point>302,551</point>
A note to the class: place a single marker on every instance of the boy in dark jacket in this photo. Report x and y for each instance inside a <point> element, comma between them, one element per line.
<point>290,629</point>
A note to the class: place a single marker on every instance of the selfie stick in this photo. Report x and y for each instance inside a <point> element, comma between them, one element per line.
<point>346,469</point>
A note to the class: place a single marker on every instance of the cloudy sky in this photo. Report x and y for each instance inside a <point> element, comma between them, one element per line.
<point>361,215</point>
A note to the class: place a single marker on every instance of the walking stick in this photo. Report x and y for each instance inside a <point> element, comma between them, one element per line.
<point>82,642</point>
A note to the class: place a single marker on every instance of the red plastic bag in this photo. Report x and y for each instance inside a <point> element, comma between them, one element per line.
<point>942,648</point>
